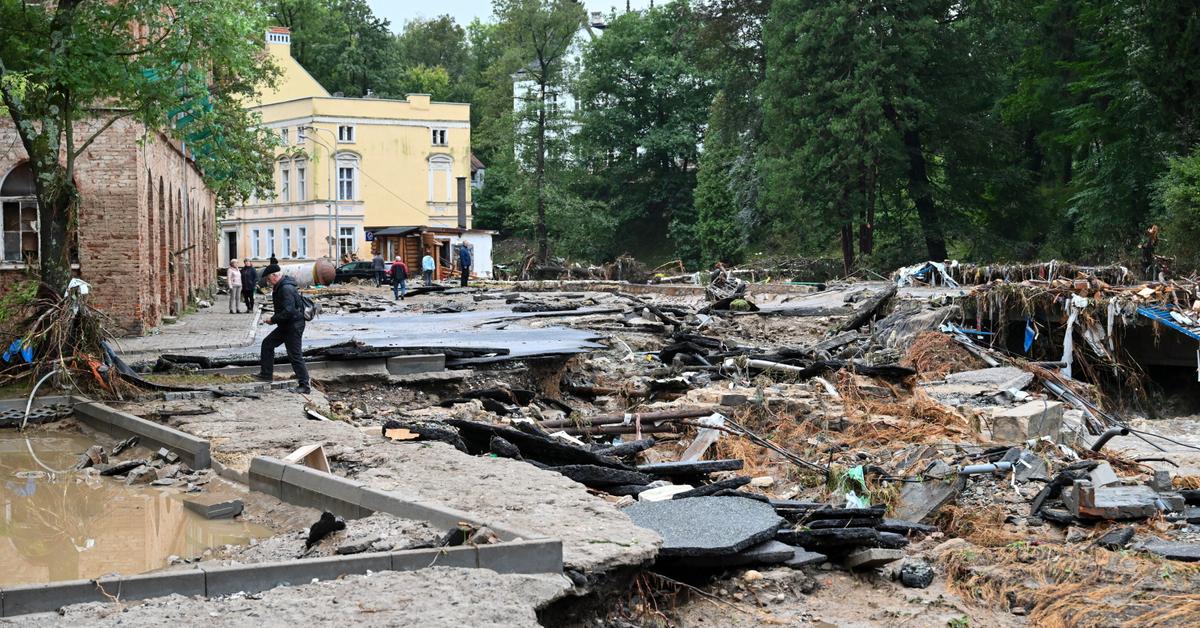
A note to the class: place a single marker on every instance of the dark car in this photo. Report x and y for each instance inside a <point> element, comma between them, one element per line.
<point>359,270</point>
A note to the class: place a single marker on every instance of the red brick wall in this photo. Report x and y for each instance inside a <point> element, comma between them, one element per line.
<point>146,253</point>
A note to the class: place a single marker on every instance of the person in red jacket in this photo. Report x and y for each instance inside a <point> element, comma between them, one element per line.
<point>399,278</point>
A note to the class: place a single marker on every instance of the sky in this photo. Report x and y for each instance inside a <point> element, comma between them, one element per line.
<point>463,11</point>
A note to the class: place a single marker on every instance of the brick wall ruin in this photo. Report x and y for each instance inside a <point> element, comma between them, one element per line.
<point>147,224</point>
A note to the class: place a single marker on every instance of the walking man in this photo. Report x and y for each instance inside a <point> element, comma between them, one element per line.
<point>377,266</point>
<point>427,268</point>
<point>289,329</point>
<point>399,278</point>
<point>249,284</point>
<point>464,262</point>
<point>233,277</point>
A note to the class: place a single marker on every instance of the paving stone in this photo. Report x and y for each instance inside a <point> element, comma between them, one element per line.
<point>870,558</point>
<point>707,526</point>
<point>804,558</point>
<point>1032,419</point>
<point>213,506</point>
<point>699,467</point>
<point>920,500</point>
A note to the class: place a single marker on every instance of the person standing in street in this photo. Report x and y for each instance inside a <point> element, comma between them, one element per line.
<point>464,262</point>
<point>399,278</point>
<point>233,277</point>
<point>288,319</point>
<point>377,266</point>
<point>427,267</point>
<point>249,279</point>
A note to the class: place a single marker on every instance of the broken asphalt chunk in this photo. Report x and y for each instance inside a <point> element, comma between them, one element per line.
<point>707,526</point>
<point>768,553</point>
<point>428,431</point>
<point>596,476</point>
<point>830,539</point>
<point>714,488</point>
<point>214,506</point>
<point>699,467</point>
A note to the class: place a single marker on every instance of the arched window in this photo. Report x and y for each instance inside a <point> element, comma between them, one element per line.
<point>440,178</point>
<point>18,215</point>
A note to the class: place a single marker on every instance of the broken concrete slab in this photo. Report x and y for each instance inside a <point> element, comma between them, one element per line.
<point>836,539</point>
<point>804,558</point>
<point>769,553</point>
<point>995,379</point>
<point>870,558</point>
<point>1032,419</point>
<point>920,500</point>
<point>141,475</point>
<point>699,467</point>
<point>1185,552</point>
<point>907,528</point>
<point>214,506</point>
<point>1027,465</point>
<point>1110,502</point>
<point>707,526</point>
<point>1161,481</point>
<point>1103,475</point>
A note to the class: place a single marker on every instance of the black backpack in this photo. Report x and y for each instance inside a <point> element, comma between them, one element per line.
<point>310,308</point>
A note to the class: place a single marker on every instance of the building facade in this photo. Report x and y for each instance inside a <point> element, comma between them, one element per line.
<point>145,223</point>
<point>348,165</point>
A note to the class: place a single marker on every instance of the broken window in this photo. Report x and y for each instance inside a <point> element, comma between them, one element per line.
<point>18,216</point>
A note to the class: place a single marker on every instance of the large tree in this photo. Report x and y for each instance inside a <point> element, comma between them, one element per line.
<point>70,70</point>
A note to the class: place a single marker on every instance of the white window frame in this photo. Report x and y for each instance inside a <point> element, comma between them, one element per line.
<point>24,206</point>
<point>301,180</point>
<point>347,187</point>
<point>347,238</point>
<point>301,133</point>
<point>302,242</point>
<point>283,136</point>
<point>287,243</point>
<point>439,137</point>
<point>346,133</point>
<point>285,181</point>
<point>270,242</point>
<point>255,244</point>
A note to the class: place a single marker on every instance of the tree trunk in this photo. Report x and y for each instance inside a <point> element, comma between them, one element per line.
<point>55,202</point>
<point>922,195</point>
<point>847,248</point>
<point>540,178</point>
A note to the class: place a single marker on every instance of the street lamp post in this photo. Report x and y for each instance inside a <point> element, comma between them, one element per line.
<point>335,236</point>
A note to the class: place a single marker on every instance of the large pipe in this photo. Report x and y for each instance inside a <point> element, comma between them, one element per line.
<point>309,274</point>
<point>1108,435</point>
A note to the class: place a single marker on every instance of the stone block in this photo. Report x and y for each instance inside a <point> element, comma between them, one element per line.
<point>214,506</point>
<point>263,576</point>
<point>995,379</point>
<point>1032,419</point>
<point>538,556</point>
<point>1161,481</point>
<point>48,597</point>
<point>872,557</point>
<point>1111,502</point>
<point>920,500</point>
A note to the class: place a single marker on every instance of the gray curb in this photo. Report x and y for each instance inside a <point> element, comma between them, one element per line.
<point>193,450</point>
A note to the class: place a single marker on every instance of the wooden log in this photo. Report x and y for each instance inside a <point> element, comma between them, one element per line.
<point>869,310</point>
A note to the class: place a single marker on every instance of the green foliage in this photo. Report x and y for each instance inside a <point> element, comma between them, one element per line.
<point>15,299</point>
<point>720,235</point>
<point>1178,195</point>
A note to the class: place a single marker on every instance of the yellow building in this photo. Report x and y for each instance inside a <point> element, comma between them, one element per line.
<point>364,164</point>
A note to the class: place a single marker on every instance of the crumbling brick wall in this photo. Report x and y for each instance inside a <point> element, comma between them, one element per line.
<point>147,223</point>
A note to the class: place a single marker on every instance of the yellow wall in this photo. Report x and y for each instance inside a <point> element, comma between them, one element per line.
<point>393,142</point>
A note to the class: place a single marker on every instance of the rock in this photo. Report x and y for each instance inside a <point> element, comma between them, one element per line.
<point>920,500</point>
<point>707,526</point>
<point>503,448</point>
<point>1076,535</point>
<point>165,482</point>
<point>214,506</point>
<point>1161,481</point>
<point>167,472</point>
<point>96,455</point>
<point>1032,419</point>
<point>804,558</point>
<point>141,475</point>
<point>1117,538</point>
<point>916,575</point>
<point>120,468</point>
<point>1185,552</point>
<point>870,558</point>
<point>1103,475</point>
<point>765,481</point>
<point>357,545</point>
<point>699,467</point>
<point>752,576</point>
<point>661,493</point>
<point>596,476</point>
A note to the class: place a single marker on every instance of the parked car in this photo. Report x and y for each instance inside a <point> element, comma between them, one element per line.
<point>359,270</point>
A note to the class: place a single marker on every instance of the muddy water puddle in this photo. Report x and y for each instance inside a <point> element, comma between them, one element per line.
<point>73,525</point>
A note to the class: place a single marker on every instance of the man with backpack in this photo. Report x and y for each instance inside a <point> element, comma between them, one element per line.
<point>289,319</point>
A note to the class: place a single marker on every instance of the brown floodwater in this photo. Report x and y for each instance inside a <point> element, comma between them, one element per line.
<point>70,526</point>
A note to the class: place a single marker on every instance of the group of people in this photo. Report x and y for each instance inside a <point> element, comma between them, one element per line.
<point>288,311</point>
<point>243,281</point>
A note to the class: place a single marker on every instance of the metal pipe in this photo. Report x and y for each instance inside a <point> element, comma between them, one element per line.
<point>29,403</point>
<point>1108,435</point>
<point>308,274</point>
<point>993,467</point>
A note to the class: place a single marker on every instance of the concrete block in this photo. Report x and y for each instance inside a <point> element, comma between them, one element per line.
<point>1103,475</point>
<point>193,450</point>
<point>870,558</point>
<point>45,598</point>
<point>1032,419</point>
<point>214,506</point>
<point>1111,502</point>
<point>266,476</point>
<point>466,556</point>
<point>375,500</point>
<point>410,364</point>
<point>263,576</point>
<point>541,556</point>
<point>309,487</point>
<point>144,586</point>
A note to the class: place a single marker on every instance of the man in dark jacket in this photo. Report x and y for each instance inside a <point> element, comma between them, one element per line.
<point>289,329</point>
<point>377,266</point>
<point>464,261</point>
<point>249,284</point>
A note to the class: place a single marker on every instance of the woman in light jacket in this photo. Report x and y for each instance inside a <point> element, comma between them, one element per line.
<point>234,277</point>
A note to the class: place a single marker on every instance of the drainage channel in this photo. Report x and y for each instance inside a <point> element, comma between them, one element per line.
<point>294,484</point>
